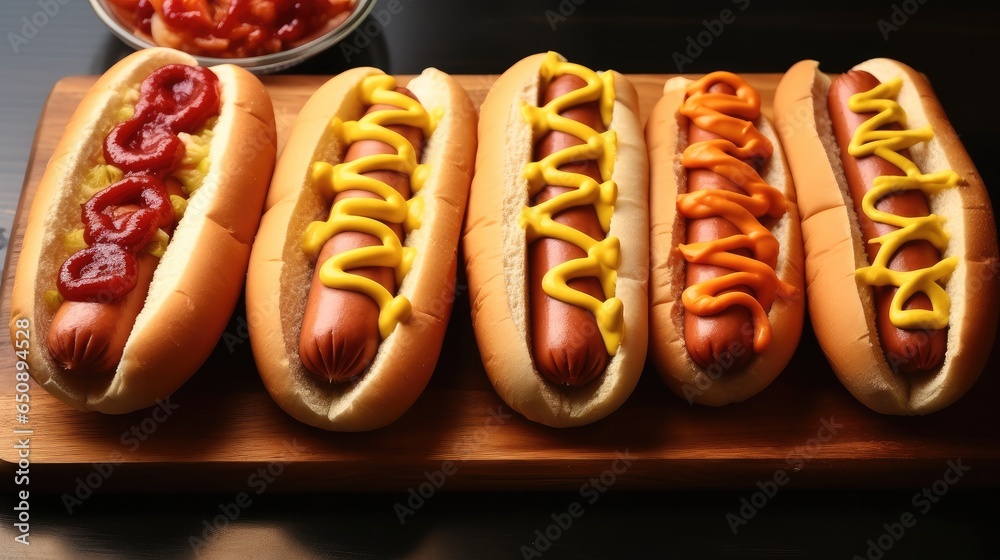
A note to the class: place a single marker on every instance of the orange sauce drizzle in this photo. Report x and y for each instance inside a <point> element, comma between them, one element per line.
<point>731,117</point>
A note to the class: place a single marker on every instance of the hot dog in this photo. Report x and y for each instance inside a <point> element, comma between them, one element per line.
<point>726,250</point>
<point>352,275</point>
<point>555,241</point>
<point>569,357</point>
<point>340,331</point>
<point>901,249</point>
<point>924,348</point>
<point>88,337</point>
<point>139,233</point>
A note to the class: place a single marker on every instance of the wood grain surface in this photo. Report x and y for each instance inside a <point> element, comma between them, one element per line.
<point>221,428</point>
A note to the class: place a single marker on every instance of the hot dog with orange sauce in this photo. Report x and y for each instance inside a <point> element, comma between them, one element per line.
<point>726,291</point>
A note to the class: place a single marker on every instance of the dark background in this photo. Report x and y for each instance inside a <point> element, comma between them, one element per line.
<point>954,44</point>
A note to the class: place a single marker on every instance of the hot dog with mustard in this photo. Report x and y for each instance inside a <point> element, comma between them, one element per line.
<point>556,240</point>
<point>901,247</point>
<point>352,276</point>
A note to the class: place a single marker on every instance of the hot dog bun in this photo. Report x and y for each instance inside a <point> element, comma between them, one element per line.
<point>716,385</point>
<point>280,272</point>
<point>841,307</point>
<point>495,249</point>
<point>199,278</point>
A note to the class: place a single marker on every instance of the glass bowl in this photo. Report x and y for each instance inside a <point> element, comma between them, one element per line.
<point>263,64</point>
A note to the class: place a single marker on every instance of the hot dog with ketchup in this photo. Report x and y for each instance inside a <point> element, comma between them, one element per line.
<point>140,231</point>
<point>555,240</point>
<point>353,272</point>
<point>901,249</point>
<point>727,300</point>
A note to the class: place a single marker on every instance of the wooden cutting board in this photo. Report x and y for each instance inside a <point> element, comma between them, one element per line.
<point>219,430</point>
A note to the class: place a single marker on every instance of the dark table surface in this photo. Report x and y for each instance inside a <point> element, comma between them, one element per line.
<point>948,41</point>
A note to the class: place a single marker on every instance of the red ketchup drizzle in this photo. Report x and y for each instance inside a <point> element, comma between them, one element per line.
<point>104,222</point>
<point>121,219</point>
<point>101,273</point>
